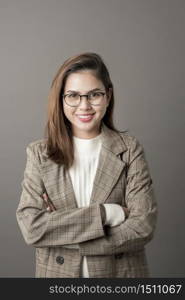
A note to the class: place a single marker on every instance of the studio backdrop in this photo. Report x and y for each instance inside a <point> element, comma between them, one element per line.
<point>143,44</point>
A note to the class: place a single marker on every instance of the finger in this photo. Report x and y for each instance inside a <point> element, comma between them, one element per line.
<point>45,198</point>
<point>48,202</point>
<point>126,211</point>
<point>52,206</point>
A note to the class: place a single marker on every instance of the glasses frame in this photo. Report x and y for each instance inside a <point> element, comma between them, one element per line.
<point>85,95</point>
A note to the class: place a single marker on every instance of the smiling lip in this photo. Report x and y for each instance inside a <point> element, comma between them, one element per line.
<point>85,117</point>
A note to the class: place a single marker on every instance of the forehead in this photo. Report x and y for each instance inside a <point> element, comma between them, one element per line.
<point>83,81</point>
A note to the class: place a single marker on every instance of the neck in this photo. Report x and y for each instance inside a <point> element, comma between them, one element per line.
<point>86,134</point>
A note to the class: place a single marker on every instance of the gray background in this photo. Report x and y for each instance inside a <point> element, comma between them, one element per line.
<point>143,44</point>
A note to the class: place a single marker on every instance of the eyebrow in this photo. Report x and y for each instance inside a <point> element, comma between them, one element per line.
<point>96,89</point>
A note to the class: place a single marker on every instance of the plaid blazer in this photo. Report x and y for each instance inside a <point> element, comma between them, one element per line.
<point>122,177</point>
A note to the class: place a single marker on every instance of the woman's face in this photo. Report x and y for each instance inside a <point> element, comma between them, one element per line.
<point>83,82</point>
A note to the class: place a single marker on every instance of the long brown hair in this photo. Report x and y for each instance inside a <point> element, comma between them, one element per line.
<point>58,131</point>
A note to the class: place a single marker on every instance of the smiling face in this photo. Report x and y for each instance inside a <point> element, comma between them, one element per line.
<point>85,119</point>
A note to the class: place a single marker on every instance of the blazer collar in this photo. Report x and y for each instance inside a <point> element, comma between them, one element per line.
<point>110,166</point>
<point>112,140</point>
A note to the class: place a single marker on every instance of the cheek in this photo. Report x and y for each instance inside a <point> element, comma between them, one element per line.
<point>67,112</point>
<point>101,111</point>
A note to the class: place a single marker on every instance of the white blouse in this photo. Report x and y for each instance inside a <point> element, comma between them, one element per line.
<point>82,173</point>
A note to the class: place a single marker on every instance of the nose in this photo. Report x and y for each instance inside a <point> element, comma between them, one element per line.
<point>84,103</point>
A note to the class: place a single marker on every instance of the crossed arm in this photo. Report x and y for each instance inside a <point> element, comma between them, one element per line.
<point>112,214</point>
<point>139,227</point>
<point>44,226</point>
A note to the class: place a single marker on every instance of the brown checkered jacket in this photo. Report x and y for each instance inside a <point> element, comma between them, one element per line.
<point>122,177</point>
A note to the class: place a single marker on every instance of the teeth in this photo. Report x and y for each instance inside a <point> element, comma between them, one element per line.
<point>84,117</point>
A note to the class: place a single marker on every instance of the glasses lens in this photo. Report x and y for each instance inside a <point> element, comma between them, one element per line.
<point>95,98</point>
<point>72,99</point>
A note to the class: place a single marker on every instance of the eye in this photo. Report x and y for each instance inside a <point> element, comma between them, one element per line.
<point>95,94</point>
<point>73,96</point>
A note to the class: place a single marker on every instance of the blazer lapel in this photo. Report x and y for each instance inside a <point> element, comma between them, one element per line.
<point>58,185</point>
<point>110,165</point>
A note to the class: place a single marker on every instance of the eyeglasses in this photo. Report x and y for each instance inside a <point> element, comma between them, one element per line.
<point>74,99</point>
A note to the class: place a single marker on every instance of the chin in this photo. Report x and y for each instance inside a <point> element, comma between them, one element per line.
<point>87,126</point>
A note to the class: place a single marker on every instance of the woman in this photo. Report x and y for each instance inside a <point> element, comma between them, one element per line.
<point>87,203</point>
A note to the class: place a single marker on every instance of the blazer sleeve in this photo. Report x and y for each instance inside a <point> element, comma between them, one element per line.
<point>41,228</point>
<point>138,229</point>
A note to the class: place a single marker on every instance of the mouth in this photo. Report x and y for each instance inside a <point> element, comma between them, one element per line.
<point>85,117</point>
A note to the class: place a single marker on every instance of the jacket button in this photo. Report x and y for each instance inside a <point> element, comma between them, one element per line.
<point>60,260</point>
<point>119,255</point>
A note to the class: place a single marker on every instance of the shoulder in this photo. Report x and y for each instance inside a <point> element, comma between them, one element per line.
<point>134,148</point>
<point>130,140</point>
<point>121,141</point>
<point>37,149</point>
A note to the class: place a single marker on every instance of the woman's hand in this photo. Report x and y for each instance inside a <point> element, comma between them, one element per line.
<point>126,211</point>
<point>49,205</point>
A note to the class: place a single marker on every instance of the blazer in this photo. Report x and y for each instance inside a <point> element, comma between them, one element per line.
<point>122,177</point>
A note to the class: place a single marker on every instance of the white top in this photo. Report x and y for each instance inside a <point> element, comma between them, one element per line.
<point>82,173</point>
<point>86,155</point>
